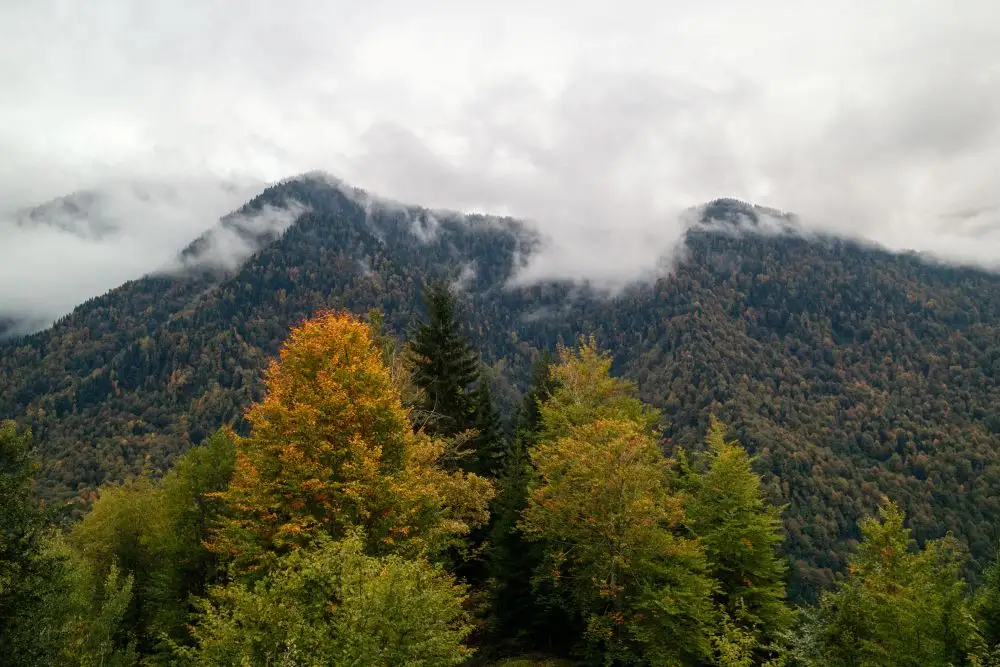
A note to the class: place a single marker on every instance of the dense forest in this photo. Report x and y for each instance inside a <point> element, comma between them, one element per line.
<point>849,373</point>
<point>379,512</point>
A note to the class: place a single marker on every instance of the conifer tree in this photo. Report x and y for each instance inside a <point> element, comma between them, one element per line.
<point>515,615</point>
<point>488,447</point>
<point>445,365</point>
<point>986,604</point>
<point>26,567</point>
<point>741,534</point>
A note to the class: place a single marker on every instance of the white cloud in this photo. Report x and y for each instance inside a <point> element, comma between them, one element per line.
<point>227,244</point>
<point>52,262</point>
<point>599,122</point>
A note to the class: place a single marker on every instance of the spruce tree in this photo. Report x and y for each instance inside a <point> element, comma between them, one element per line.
<point>488,448</point>
<point>515,619</point>
<point>445,365</point>
<point>986,604</point>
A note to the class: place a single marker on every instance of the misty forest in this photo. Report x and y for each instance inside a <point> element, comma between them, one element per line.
<point>367,442</point>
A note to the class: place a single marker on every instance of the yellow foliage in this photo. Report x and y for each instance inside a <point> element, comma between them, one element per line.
<point>331,447</point>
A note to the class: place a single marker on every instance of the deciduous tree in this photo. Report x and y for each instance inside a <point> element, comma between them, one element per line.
<point>331,448</point>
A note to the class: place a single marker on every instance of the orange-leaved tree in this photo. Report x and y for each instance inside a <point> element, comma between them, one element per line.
<point>331,449</point>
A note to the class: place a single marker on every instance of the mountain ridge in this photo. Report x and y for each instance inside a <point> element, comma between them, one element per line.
<point>849,371</point>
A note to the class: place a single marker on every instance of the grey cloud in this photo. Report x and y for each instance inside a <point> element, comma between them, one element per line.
<point>602,124</point>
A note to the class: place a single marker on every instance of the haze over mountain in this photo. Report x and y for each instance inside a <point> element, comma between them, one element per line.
<point>60,253</point>
<point>600,125</point>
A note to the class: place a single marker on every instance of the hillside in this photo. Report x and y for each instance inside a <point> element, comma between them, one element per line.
<point>851,372</point>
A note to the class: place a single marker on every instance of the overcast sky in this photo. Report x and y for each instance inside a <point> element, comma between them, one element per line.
<point>879,119</point>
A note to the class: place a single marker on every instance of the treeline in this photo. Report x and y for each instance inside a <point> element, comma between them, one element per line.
<point>380,510</point>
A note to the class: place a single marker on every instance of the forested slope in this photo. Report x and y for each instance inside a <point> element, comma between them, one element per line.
<point>851,372</point>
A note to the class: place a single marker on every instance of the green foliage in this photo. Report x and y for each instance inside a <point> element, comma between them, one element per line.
<point>28,571</point>
<point>986,603</point>
<point>79,617</point>
<point>516,617</point>
<point>153,532</point>
<point>601,503</point>
<point>898,606</point>
<point>445,365</point>
<point>741,535</point>
<point>333,605</point>
<point>488,445</point>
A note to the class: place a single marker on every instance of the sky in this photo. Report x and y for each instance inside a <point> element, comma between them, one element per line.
<point>597,121</point>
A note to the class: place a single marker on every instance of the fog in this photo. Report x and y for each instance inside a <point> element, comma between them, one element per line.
<point>600,123</point>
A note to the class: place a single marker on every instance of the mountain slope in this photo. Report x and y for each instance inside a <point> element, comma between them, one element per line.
<point>850,372</point>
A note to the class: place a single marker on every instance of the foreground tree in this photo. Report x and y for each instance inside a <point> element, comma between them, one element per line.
<point>898,606</point>
<point>445,365</point>
<point>152,531</point>
<point>55,608</point>
<point>516,618</point>
<point>28,570</point>
<point>741,534</point>
<point>600,502</point>
<point>331,448</point>
<point>330,604</point>
<point>986,604</point>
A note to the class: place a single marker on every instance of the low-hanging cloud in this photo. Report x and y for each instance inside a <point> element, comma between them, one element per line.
<point>602,124</point>
<point>236,237</point>
<point>58,255</point>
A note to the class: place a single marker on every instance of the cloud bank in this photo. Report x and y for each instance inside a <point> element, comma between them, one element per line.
<point>55,256</point>
<point>599,123</point>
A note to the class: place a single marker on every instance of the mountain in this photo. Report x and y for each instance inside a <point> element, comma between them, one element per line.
<point>97,238</point>
<point>850,372</point>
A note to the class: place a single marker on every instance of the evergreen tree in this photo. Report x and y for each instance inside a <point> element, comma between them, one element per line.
<point>741,535</point>
<point>488,446</point>
<point>445,365</point>
<point>26,567</point>
<point>516,617</point>
<point>986,606</point>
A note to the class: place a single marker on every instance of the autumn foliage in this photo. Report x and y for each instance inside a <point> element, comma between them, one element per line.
<point>330,448</point>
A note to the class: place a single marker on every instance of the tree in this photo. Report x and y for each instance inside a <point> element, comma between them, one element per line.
<point>741,535</point>
<point>515,615</point>
<point>331,448</point>
<point>28,571</point>
<point>191,508</point>
<point>599,499</point>
<point>488,445</point>
<point>986,603</point>
<point>330,604</point>
<point>898,606</point>
<point>152,532</point>
<point>118,534</point>
<point>445,365</point>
